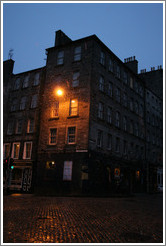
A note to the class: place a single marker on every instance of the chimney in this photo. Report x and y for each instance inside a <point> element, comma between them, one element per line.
<point>132,63</point>
<point>7,69</point>
<point>61,38</point>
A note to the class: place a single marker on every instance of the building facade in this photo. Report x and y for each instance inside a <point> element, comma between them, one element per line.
<point>91,122</point>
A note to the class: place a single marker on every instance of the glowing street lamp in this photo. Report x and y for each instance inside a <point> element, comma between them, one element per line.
<point>59,92</point>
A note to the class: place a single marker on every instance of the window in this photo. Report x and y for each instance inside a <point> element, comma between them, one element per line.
<point>36,79</point>
<point>67,170</point>
<point>99,138</point>
<point>131,104</point>
<point>102,58</point>
<point>77,53</point>
<point>73,107</point>
<point>101,110</point>
<point>131,82</point>
<point>75,82</point>
<point>118,95</point>
<point>141,90</point>
<point>71,135</point>
<point>117,145</point>
<point>125,79</point>
<point>15,150</point>
<point>55,110</point>
<point>10,128</point>
<point>117,122</point>
<point>19,126</point>
<point>141,110</point>
<point>27,150</point>
<point>26,81</point>
<point>34,101</point>
<point>136,129</point>
<point>30,127</point>
<point>101,83</point>
<point>136,107</point>
<point>110,66</point>
<point>110,89</point>
<point>136,86</point>
<point>109,141</point>
<point>118,71</point>
<point>23,103</point>
<point>60,57</point>
<point>53,136</point>
<point>131,127</point>
<point>124,147</point>
<point>6,150</point>
<point>14,105</point>
<point>17,84</point>
<point>109,115</point>
<point>125,99</point>
<point>125,123</point>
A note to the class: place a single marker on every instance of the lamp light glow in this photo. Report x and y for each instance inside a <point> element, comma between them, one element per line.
<point>59,92</point>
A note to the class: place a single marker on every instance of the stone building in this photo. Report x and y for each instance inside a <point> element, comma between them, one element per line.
<point>21,117</point>
<point>90,123</point>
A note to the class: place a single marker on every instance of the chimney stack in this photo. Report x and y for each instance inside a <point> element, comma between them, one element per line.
<point>132,63</point>
<point>61,38</point>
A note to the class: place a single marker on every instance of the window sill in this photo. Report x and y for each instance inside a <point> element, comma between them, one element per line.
<point>72,116</point>
<point>54,118</point>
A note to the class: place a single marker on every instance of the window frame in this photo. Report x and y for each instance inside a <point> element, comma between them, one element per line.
<point>60,58</point>
<point>25,150</point>
<point>4,148</point>
<point>71,108</point>
<point>12,154</point>
<point>77,54</point>
<point>71,135</point>
<point>50,136</point>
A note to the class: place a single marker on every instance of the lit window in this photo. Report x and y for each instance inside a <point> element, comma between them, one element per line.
<point>101,110</point>
<point>77,53</point>
<point>36,79</point>
<point>14,105</point>
<point>75,81</point>
<point>19,126</point>
<point>16,84</point>
<point>60,58</point>
<point>110,65</point>
<point>27,150</point>
<point>15,150</point>
<point>67,170</point>
<point>53,136</point>
<point>34,101</point>
<point>101,83</point>
<point>55,110</point>
<point>102,58</point>
<point>23,103</point>
<point>26,81</point>
<point>71,136</point>
<point>6,150</point>
<point>99,138</point>
<point>30,127</point>
<point>117,122</point>
<point>10,128</point>
<point>109,141</point>
<point>109,115</point>
<point>73,107</point>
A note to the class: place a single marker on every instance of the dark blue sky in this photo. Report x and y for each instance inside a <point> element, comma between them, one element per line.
<point>128,29</point>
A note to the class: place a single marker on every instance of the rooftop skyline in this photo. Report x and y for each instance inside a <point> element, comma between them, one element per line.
<point>127,29</point>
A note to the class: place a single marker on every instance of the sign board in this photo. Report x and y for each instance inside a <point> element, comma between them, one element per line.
<point>117,173</point>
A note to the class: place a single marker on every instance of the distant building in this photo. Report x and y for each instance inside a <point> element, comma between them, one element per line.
<point>100,133</point>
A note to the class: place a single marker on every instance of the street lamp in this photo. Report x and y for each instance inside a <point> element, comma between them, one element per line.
<point>59,92</point>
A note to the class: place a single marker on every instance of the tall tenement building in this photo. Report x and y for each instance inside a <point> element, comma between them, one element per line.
<point>86,122</point>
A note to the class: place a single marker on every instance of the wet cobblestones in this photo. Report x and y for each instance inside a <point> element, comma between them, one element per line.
<point>31,219</point>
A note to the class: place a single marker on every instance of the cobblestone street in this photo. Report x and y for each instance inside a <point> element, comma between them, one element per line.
<point>32,219</point>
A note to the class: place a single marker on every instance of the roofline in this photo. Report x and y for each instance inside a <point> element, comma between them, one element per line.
<point>29,71</point>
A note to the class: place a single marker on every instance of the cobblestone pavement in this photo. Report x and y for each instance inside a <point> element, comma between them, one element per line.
<point>31,219</point>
